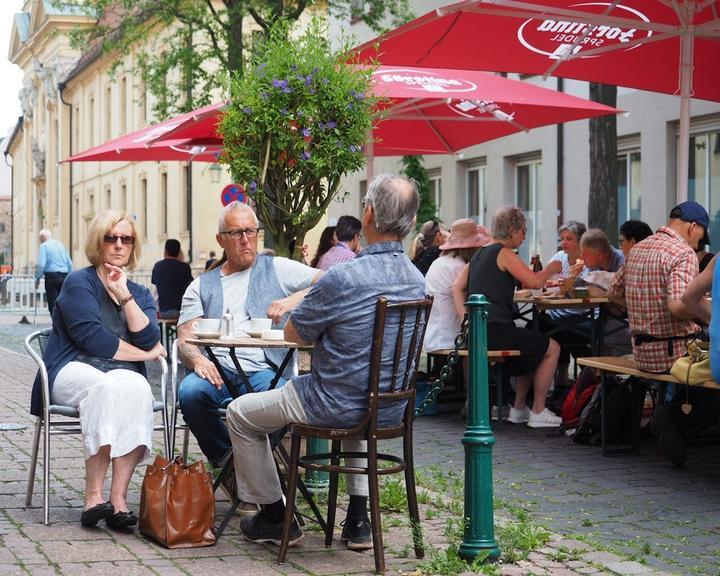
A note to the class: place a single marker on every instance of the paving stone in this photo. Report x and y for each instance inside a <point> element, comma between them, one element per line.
<point>628,568</point>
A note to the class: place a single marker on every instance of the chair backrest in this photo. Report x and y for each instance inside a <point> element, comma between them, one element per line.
<point>40,337</point>
<point>397,343</point>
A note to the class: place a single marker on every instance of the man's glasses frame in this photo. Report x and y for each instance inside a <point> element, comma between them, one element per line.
<point>124,239</point>
<point>250,233</point>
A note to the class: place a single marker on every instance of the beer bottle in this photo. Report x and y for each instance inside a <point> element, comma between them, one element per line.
<point>536,263</point>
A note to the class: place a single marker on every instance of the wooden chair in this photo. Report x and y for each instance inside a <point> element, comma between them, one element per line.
<point>47,426</point>
<point>399,328</point>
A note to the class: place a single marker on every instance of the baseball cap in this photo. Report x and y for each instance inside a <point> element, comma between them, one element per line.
<point>690,211</point>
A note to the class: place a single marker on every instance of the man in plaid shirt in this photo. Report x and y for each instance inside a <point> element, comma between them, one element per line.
<point>656,273</point>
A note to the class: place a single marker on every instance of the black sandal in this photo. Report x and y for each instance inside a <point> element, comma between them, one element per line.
<point>121,520</point>
<point>92,516</point>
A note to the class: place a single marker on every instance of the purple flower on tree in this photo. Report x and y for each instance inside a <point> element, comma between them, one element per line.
<point>357,95</point>
<point>354,148</point>
<point>306,155</point>
<point>306,132</point>
<point>247,110</point>
<point>253,186</point>
<point>283,85</point>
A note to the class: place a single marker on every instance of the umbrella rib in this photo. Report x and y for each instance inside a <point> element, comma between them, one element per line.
<point>440,39</point>
<point>612,47</point>
<point>578,40</point>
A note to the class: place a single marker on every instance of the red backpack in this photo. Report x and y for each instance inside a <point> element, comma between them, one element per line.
<point>578,397</point>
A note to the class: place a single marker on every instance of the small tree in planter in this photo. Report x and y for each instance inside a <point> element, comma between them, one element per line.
<point>296,123</point>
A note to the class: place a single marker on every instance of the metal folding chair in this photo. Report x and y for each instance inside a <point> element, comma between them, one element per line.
<point>69,422</point>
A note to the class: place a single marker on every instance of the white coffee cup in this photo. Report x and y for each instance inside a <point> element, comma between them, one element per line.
<point>273,335</point>
<point>206,325</point>
<point>260,324</point>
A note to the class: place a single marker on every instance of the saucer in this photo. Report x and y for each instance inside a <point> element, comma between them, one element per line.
<point>207,335</point>
<point>254,333</point>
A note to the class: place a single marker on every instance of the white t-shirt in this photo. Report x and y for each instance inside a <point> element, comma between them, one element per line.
<point>443,324</point>
<point>292,277</point>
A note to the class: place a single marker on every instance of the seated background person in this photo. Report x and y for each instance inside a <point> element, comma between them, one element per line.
<point>347,233</point>
<point>632,232</point>
<point>171,277</point>
<point>652,282</point>
<point>104,329</point>
<point>598,254</point>
<point>494,271</point>
<point>251,286</point>
<point>338,315</point>
<point>444,324</point>
<point>425,248</point>
<point>570,234</point>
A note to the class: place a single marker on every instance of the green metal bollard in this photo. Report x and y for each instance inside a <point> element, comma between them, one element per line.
<point>317,481</point>
<point>478,440</point>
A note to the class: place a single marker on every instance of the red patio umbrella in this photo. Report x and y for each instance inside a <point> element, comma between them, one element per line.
<point>434,111</point>
<point>671,47</point>
<point>139,146</point>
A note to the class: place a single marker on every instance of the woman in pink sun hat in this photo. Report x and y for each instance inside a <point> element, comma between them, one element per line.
<point>444,324</point>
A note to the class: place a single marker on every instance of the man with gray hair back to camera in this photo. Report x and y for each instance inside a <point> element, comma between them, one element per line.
<point>54,264</point>
<point>338,316</point>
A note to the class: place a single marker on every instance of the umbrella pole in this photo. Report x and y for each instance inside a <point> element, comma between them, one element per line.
<point>686,71</point>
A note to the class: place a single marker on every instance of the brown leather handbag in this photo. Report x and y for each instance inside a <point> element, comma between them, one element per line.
<point>177,504</point>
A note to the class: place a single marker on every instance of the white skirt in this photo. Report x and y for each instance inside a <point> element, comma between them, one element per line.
<point>116,408</point>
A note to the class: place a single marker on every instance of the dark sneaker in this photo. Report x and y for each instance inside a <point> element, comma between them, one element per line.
<point>356,534</point>
<point>258,528</point>
<point>671,443</point>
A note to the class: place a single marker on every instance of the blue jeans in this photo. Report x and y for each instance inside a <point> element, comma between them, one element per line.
<point>200,400</point>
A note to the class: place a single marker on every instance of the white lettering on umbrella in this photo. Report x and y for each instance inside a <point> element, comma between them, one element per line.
<point>427,82</point>
<point>557,39</point>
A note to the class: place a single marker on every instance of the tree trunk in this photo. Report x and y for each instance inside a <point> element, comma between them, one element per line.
<point>602,200</point>
<point>236,11</point>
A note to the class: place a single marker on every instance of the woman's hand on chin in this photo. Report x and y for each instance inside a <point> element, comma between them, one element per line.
<point>116,281</point>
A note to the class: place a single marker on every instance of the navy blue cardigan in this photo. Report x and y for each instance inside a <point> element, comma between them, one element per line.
<point>78,327</point>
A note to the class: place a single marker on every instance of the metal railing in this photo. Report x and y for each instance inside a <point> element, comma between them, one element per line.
<point>18,293</point>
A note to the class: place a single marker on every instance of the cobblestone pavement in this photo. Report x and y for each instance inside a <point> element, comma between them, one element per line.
<point>630,514</point>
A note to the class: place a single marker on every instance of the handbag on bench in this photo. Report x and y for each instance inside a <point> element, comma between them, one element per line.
<point>694,368</point>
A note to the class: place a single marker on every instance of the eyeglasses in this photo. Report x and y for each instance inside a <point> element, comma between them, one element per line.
<point>112,239</point>
<point>250,233</point>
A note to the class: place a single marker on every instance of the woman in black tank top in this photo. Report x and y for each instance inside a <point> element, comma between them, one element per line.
<point>494,271</point>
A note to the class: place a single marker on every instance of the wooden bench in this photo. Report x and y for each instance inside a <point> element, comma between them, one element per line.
<point>495,358</point>
<point>626,365</point>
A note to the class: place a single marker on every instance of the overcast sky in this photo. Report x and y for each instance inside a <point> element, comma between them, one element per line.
<point>10,74</point>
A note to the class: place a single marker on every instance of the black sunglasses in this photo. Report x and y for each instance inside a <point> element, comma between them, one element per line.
<point>112,239</point>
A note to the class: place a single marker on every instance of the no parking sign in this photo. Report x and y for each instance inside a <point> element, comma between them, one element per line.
<point>233,193</point>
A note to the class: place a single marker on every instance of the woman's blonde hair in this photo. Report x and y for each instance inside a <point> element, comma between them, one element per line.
<point>100,226</point>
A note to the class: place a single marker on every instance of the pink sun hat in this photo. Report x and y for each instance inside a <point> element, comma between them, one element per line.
<point>465,233</point>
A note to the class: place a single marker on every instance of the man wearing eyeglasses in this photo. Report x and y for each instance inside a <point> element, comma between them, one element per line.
<point>249,285</point>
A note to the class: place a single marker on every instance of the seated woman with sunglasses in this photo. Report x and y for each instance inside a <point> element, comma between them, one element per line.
<point>104,329</point>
